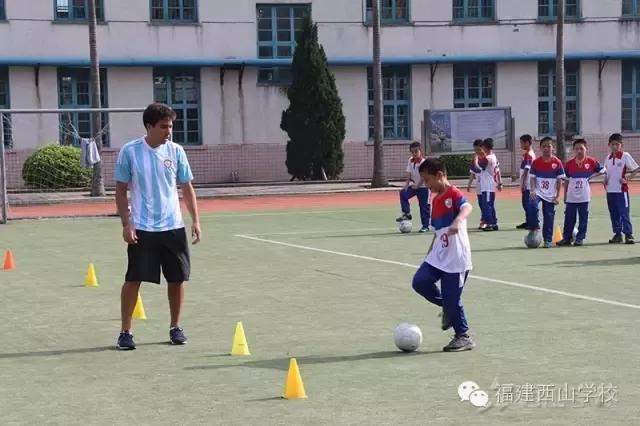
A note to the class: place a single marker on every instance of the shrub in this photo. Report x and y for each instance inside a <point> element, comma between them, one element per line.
<point>55,167</point>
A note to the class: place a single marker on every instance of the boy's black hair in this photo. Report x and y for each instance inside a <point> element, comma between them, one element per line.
<point>477,142</point>
<point>616,137</point>
<point>432,166</point>
<point>579,141</point>
<point>415,145</point>
<point>546,138</point>
<point>157,112</point>
<point>488,143</point>
<point>526,138</point>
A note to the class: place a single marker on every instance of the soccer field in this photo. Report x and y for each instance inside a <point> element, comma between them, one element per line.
<point>326,286</point>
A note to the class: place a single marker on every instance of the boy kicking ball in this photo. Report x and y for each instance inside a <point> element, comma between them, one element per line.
<point>449,257</point>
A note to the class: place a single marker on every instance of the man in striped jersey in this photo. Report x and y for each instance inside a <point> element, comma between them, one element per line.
<point>151,167</point>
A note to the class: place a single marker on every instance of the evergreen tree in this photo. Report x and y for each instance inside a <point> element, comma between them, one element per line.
<point>314,120</point>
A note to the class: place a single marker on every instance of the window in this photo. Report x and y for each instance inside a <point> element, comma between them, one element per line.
<point>279,28</point>
<point>74,92</point>
<point>473,85</point>
<point>548,9</point>
<point>391,11</point>
<point>473,10</point>
<point>3,13</point>
<point>396,95</point>
<point>5,104</point>
<point>547,97</point>
<point>76,10</point>
<point>631,7</point>
<point>174,10</point>
<point>631,96</point>
<point>180,89</point>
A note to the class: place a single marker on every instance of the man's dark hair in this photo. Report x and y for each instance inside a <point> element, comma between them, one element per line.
<point>616,137</point>
<point>477,142</point>
<point>488,143</point>
<point>546,138</point>
<point>414,145</point>
<point>157,112</point>
<point>526,138</point>
<point>579,142</point>
<point>432,166</point>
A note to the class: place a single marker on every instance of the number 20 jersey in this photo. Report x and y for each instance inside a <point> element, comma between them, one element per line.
<point>450,253</point>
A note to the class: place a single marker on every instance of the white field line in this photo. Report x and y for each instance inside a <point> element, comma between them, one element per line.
<point>408,265</point>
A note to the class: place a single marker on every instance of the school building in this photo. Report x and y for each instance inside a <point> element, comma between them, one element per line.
<point>223,66</point>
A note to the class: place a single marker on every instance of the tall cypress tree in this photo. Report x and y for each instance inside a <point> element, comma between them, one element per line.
<point>314,120</point>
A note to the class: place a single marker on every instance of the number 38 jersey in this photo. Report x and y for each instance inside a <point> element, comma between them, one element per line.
<point>547,174</point>
<point>450,253</point>
<point>578,174</point>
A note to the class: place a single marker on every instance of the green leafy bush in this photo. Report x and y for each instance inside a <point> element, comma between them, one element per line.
<point>55,167</point>
<point>457,165</point>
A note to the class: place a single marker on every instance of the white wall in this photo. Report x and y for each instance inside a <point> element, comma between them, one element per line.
<point>600,100</point>
<point>128,88</point>
<point>517,86</point>
<point>28,130</point>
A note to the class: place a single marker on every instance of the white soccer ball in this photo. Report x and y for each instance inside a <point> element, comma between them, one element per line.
<point>405,226</point>
<point>407,337</point>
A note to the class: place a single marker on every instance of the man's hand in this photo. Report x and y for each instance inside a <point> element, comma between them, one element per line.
<point>533,194</point>
<point>500,187</point>
<point>129,234</point>
<point>195,233</point>
<point>555,200</point>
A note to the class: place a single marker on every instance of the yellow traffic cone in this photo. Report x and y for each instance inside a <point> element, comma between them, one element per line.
<point>138,311</point>
<point>240,346</point>
<point>293,387</point>
<point>557,235</point>
<point>91,280</point>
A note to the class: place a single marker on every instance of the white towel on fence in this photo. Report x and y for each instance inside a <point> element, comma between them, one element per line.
<point>89,153</point>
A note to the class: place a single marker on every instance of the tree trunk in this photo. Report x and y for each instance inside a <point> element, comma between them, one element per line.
<point>379,179</point>
<point>97,183</point>
<point>560,84</point>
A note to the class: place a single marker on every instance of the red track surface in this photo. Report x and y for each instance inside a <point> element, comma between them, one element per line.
<point>251,203</point>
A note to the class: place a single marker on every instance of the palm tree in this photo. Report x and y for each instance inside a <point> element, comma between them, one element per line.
<point>379,179</point>
<point>97,184</point>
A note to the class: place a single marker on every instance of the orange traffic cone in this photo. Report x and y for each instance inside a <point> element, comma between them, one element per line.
<point>9,262</point>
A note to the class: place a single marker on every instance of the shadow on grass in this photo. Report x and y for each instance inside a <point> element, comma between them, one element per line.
<point>283,363</point>
<point>71,351</point>
<point>598,263</point>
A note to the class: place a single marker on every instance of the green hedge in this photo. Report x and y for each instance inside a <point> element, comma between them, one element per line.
<point>55,167</point>
<point>457,165</point>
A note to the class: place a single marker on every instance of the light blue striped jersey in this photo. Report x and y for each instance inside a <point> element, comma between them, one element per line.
<point>153,175</point>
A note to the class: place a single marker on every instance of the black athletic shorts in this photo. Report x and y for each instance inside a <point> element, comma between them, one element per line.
<point>168,250</point>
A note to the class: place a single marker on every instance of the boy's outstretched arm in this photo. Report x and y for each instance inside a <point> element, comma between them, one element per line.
<point>465,211</point>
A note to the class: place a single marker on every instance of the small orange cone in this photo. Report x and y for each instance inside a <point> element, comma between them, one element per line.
<point>557,235</point>
<point>239,346</point>
<point>9,262</point>
<point>293,387</point>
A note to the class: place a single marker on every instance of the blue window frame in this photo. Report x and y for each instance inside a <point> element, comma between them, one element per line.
<point>473,85</point>
<point>3,13</point>
<point>396,99</point>
<point>76,10</point>
<point>5,104</point>
<point>391,11</point>
<point>180,89</point>
<point>473,10</point>
<point>631,7</point>
<point>631,96</point>
<point>279,29</point>
<point>547,97</point>
<point>548,9</point>
<point>74,92</point>
<point>174,10</point>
